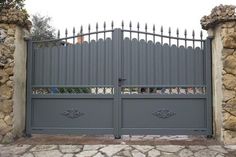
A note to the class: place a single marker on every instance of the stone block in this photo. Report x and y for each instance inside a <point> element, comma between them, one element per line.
<point>8,119</point>
<point>229,81</point>
<point>228,94</point>
<point>6,106</point>
<point>4,128</point>
<point>8,138</point>
<point>6,92</point>
<point>230,64</point>
<point>3,76</point>
<point>230,123</point>
<point>229,40</point>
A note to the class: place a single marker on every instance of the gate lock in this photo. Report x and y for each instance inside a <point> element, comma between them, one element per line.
<point>121,81</point>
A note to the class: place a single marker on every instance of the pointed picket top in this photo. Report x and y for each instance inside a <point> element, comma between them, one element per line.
<point>89,27</point>
<point>66,32</point>
<point>122,24</point>
<point>146,27</point>
<point>73,31</point>
<point>154,28</point>
<point>112,24</point>
<point>81,29</point>
<point>193,34</point>
<point>96,26</point>
<point>185,33</point>
<point>177,32</point>
<point>169,31</point>
<point>104,25</point>
<point>58,34</point>
<point>201,35</point>
<point>162,30</point>
<point>138,25</point>
<point>130,25</point>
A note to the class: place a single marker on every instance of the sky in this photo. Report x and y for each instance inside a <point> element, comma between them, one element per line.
<point>182,14</point>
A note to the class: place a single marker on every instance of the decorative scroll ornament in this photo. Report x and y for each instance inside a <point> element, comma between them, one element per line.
<point>72,113</point>
<point>163,113</point>
<point>3,35</point>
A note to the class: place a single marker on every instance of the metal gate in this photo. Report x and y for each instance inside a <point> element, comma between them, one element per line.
<point>120,81</point>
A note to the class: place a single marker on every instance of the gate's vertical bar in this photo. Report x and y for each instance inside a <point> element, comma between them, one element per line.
<point>208,77</point>
<point>29,86</point>
<point>81,61</point>
<point>105,59</point>
<point>117,39</point>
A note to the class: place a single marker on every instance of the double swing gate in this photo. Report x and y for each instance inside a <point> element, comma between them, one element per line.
<point>120,81</point>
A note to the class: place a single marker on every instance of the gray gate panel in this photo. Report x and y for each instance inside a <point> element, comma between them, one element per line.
<point>37,69</point>
<point>199,66</point>
<point>72,113</point>
<point>69,65</point>
<point>100,70</point>
<point>158,63</point>
<point>164,113</point>
<point>142,62</point>
<point>144,65</point>
<point>93,64</point>
<point>109,62</point>
<point>85,67</point>
<point>150,63</point>
<point>135,63</point>
<point>190,66</point>
<point>127,65</point>
<point>54,66</point>
<point>182,66</point>
<point>174,65</point>
<point>166,64</point>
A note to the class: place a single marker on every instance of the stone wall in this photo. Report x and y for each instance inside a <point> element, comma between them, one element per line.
<point>12,79</point>
<point>228,35</point>
<point>221,24</point>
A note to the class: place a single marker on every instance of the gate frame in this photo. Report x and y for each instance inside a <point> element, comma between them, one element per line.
<point>117,40</point>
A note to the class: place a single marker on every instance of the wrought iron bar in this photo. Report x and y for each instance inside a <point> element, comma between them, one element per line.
<point>169,32</point>
<point>185,38</point>
<point>81,48</point>
<point>66,33</point>
<point>97,56</point>
<point>112,25</point>
<point>177,35</point>
<point>130,28</point>
<point>193,34</point>
<point>201,35</point>
<point>89,66</point>
<point>104,39</point>
<point>122,24</point>
<point>74,35</point>
<point>58,34</point>
<point>161,35</point>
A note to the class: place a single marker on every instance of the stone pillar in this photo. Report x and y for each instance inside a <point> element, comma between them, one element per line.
<point>221,25</point>
<point>14,26</point>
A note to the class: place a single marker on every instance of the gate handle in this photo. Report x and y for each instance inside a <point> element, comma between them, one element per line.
<point>121,79</point>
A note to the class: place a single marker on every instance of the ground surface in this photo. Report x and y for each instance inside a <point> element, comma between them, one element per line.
<point>106,146</point>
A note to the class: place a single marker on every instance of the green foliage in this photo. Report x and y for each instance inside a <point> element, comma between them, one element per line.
<point>41,29</point>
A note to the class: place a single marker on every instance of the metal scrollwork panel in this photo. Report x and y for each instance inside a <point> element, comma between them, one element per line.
<point>163,113</point>
<point>72,113</point>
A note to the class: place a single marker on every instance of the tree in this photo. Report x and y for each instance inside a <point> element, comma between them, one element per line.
<point>41,29</point>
